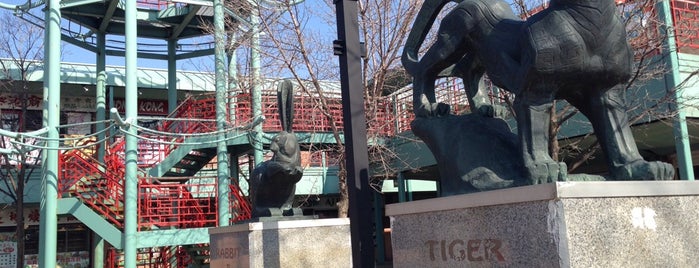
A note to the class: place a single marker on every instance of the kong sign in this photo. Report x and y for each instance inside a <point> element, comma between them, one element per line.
<point>145,107</point>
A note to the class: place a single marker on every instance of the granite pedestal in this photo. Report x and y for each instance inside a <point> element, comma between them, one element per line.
<point>565,224</point>
<point>294,243</point>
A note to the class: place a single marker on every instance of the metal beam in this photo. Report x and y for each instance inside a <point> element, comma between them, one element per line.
<point>195,54</point>
<point>142,55</point>
<point>108,15</point>
<point>172,237</point>
<point>177,30</point>
<point>24,7</point>
<point>73,3</point>
<point>349,50</point>
<point>96,223</point>
<point>195,2</point>
<point>146,239</point>
<point>78,43</point>
<point>156,56</point>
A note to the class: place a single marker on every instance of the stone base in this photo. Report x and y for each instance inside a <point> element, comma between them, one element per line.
<point>565,224</point>
<point>296,243</point>
<point>473,152</point>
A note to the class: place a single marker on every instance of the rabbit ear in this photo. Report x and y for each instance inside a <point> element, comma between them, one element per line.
<point>285,102</point>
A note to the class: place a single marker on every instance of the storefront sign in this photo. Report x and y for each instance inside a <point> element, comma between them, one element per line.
<point>15,101</point>
<point>78,104</point>
<point>145,107</point>
<point>35,102</point>
<point>8,218</point>
<point>76,259</point>
<point>81,104</point>
<point>8,251</point>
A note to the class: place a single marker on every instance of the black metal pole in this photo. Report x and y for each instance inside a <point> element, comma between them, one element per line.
<point>348,48</point>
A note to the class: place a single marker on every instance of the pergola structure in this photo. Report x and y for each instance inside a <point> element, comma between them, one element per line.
<point>134,20</point>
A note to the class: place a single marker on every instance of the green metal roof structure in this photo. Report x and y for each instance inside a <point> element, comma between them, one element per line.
<point>118,28</point>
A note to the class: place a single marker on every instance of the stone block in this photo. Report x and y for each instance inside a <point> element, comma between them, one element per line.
<point>564,224</point>
<point>291,243</point>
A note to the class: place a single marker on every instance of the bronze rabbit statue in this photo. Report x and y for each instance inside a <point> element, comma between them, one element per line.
<point>273,182</point>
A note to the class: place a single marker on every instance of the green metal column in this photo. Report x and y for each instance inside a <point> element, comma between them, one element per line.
<point>224,213</point>
<point>256,86</point>
<point>101,92</point>
<point>232,78</point>
<point>171,75</point>
<point>110,100</point>
<point>101,115</point>
<point>324,165</point>
<point>52,97</point>
<point>97,251</point>
<point>672,80</point>
<point>131,151</point>
<point>234,171</point>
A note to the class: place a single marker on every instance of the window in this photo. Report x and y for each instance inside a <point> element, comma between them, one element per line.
<point>13,120</point>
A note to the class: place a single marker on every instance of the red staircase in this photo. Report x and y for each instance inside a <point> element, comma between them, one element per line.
<point>161,205</point>
<point>97,186</point>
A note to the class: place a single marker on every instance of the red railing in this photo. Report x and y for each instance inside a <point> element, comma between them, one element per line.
<point>160,205</point>
<point>188,205</point>
<point>308,114</point>
<point>74,167</point>
<point>160,257</point>
<point>154,148</point>
<point>194,115</point>
<point>182,257</point>
<point>386,116</point>
<point>240,206</point>
<point>194,107</point>
<point>99,187</point>
<point>685,14</point>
